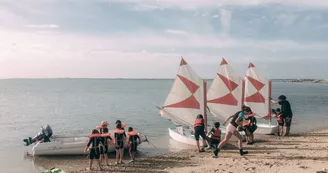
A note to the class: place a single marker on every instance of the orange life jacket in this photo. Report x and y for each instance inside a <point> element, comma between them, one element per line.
<point>247,123</point>
<point>119,131</point>
<point>198,122</point>
<point>279,119</point>
<point>217,134</point>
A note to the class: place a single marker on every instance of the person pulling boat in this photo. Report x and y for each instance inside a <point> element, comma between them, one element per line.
<point>199,127</point>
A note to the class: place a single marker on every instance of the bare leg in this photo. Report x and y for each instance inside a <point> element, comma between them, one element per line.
<point>121,154</point>
<point>99,164</point>
<point>106,158</point>
<point>240,143</point>
<point>225,140</point>
<point>117,155</point>
<point>240,139</point>
<point>100,158</point>
<point>90,164</point>
<point>197,142</point>
<point>131,154</point>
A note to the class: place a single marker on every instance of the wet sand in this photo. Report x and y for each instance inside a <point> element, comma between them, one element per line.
<point>297,153</point>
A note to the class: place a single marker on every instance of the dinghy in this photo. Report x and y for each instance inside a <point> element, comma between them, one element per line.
<point>45,143</point>
<point>226,95</point>
<point>185,101</point>
<point>257,97</point>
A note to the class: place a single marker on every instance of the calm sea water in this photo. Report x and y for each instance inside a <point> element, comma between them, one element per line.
<point>78,105</point>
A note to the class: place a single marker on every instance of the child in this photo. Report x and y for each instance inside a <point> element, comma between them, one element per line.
<point>119,138</point>
<point>214,136</point>
<point>105,138</point>
<point>93,147</point>
<point>133,142</point>
<point>250,127</point>
<point>280,121</point>
<point>199,128</point>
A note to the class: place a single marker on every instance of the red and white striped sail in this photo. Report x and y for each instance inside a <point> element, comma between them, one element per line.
<point>225,96</point>
<point>186,98</point>
<point>257,92</point>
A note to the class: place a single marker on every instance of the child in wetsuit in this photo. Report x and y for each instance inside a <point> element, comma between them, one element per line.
<point>119,138</point>
<point>133,142</point>
<point>104,140</point>
<point>214,136</point>
<point>280,121</point>
<point>93,147</point>
<point>250,127</point>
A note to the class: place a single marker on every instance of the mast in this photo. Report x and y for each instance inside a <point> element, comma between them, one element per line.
<point>242,93</point>
<point>269,106</point>
<point>205,106</point>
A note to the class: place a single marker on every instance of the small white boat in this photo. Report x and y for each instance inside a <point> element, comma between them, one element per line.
<point>46,144</point>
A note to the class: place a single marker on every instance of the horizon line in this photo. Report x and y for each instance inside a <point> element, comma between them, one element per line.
<point>144,78</point>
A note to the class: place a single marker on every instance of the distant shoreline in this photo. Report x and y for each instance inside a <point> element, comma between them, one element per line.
<point>319,81</point>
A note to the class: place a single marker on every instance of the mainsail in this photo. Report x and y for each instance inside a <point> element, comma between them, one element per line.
<point>225,96</point>
<point>257,92</point>
<point>186,99</point>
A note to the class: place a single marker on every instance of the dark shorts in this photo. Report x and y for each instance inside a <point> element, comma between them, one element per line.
<point>104,149</point>
<point>252,129</point>
<point>214,143</point>
<point>288,121</point>
<point>119,145</point>
<point>199,131</point>
<point>133,147</point>
<point>94,154</point>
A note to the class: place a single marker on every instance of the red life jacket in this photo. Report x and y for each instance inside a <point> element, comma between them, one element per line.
<point>217,134</point>
<point>199,122</point>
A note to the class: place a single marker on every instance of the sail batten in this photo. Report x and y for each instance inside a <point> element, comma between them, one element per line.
<point>186,97</point>
<point>225,96</point>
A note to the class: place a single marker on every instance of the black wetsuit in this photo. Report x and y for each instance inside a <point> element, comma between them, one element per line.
<point>104,142</point>
<point>134,142</point>
<point>286,111</point>
<point>119,140</point>
<point>251,129</point>
<point>94,147</point>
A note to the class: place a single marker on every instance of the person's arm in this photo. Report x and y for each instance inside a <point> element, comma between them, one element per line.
<point>89,142</point>
<point>228,119</point>
<point>273,101</point>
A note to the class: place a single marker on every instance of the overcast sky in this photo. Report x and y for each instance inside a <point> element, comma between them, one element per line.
<point>146,38</point>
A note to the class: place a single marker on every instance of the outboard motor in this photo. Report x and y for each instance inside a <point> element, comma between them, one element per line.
<point>43,136</point>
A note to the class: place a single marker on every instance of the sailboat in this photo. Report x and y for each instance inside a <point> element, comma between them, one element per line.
<point>225,96</point>
<point>257,97</point>
<point>186,99</point>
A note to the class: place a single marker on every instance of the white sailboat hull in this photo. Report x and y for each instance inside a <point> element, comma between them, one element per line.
<point>68,145</point>
<point>188,138</point>
<point>266,129</point>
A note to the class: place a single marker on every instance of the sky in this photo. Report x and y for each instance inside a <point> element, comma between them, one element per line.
<point>147,38</point>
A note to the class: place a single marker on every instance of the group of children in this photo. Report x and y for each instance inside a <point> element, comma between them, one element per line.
<point>100,138</point>
<point>213,138</point>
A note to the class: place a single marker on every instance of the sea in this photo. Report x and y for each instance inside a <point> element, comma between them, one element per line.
<point>75,106</point>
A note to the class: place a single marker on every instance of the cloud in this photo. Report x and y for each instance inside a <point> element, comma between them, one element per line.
<point>177,32</point>
<point>225,17</point>
<point>44,26</point>
<point>196,4</point>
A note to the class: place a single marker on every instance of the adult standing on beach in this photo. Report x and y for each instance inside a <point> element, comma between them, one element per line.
<point>286,113</point>
<point>231,129</point>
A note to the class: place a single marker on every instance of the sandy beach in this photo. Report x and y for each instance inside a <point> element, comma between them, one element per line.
<point>297,153</point>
